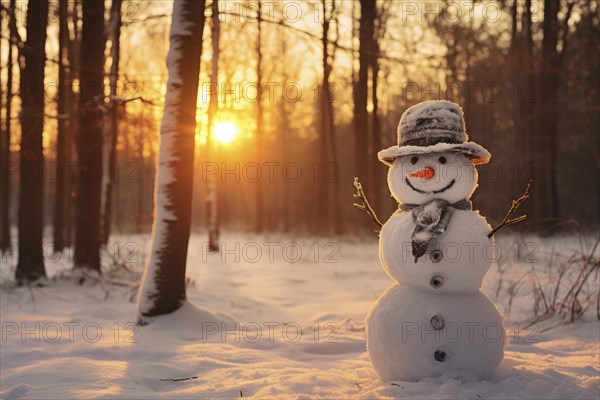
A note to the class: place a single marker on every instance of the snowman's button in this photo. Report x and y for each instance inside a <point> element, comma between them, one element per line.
<point>436,282</point>
<point>436,256</point>
<point>440,355</point>
<point>437,322</point>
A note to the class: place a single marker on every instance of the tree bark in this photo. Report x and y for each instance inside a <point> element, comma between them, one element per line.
<point>31,197</point>
<point>162,290</point>
<point>89,143</point>
<point>110,154</point>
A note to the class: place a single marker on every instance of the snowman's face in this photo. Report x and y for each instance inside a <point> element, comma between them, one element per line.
<point>420,178</point>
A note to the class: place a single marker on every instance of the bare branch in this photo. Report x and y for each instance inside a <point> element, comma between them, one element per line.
<point>515,204</point>
<point>365,206</point>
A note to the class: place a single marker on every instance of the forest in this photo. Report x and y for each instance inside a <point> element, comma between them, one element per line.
<point>142,141</point>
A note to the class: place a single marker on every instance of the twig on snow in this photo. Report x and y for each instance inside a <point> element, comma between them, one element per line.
<point>179,379</point>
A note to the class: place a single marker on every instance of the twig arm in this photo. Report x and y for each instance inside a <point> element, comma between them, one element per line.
<point>364,204</point>
<point>515,204</point>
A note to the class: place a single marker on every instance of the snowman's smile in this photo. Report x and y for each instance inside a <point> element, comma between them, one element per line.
<point>448,186</point>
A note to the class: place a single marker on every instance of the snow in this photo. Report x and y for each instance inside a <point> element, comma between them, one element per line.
<point>279,286</point>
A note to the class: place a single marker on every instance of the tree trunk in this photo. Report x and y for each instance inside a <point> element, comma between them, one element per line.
<point>89,143</point>
<point>330,207</point>
<point>516,78</point>
<point>260,212</point>
<point>5,242</point>
<point>284,136</point>
<point>140,193</point>
<point>162,290</point>
<point>378,170</point>
<point>361,123</point>
<point>110,147</point>
<point>61,136</point>
<point>73,107</point>
<point>31,197</point>
<point>546,146</point>
<point>323,214</point>
<point>212,196</point>
<point>526,95</point>
<point>4,183</point>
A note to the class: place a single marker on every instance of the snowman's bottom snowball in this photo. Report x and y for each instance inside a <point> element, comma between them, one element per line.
<point>403,343</point>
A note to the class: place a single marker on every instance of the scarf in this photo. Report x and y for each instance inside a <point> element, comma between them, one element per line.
<point>431,220</point>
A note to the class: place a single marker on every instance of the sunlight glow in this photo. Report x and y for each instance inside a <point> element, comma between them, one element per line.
<point>225,132</point>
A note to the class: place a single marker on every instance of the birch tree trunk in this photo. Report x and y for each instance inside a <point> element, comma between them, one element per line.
<point>31,197</point>
<point>162,289</point>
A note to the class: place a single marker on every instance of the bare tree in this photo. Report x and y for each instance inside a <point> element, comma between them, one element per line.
<point>329,192</point>
<point>378,170</point>
<point>5,142</point>
<point>74,54</point>
<point>63,125</point>
<point>361,115</point>
<point>89,143</point>
<point>260,212</point>
<point>212,196</point>
<point>284,128</point>
<point>162,290</point>
<point>111,133</point>
<point>547,135</point>
<point>31,197</point>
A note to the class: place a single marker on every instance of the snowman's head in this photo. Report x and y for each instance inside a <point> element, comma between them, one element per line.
<point>420,178</point>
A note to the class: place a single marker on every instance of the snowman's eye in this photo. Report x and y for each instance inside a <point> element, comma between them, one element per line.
<point>414,160</point>
<point>442,160</point>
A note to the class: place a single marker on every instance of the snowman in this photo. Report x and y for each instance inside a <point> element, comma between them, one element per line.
<point>437,249</point>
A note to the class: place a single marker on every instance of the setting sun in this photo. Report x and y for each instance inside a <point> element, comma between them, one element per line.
<point>225,132</point>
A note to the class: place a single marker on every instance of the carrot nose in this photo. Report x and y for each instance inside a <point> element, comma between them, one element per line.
<point>425,173</point>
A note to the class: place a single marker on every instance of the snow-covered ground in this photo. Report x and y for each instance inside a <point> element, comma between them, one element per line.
<point>299,305</point>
